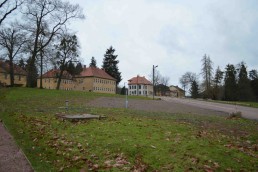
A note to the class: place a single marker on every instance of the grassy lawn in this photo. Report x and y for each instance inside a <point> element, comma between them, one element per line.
<point>126,140</point>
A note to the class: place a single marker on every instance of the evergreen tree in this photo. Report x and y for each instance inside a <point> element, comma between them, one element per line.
<point>78,68</point>
<point>230,83</point>
<point>217,83</point>
<point>244,87</point>
<point>194,90</point>
<point>71,68</point>
<point>110,64</point>
<point>123,90</point>
<point>93,62</point>
<point>253,75</point>
<point>207,71</point>
<point>22,64</point>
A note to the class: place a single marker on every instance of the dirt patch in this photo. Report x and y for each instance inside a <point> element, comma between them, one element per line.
<point>152,106</point>
<point>12,158</point>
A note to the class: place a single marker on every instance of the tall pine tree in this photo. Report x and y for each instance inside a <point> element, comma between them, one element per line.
<point>244,87</point>
<point>110,64</point>
<point>194,90</point>
<point>93,62</point>
<point>253,75</point>
<point>217,89</point>
<point>230,83</point>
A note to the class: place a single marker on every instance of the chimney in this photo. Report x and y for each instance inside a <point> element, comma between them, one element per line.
<point>84,66</point>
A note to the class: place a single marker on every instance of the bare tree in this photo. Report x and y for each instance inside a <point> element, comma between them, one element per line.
<point>46,15</point>
<point>164,80</point>
<point>187,79</point>
<point>11,41</point>
<point>7,7</point>
<point>207,72</point>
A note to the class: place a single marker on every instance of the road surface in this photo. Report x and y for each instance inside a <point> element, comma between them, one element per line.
<point>247,112</point>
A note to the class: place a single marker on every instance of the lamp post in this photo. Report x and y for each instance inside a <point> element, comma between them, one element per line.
<point>126,99</point>
<point>153,75</point>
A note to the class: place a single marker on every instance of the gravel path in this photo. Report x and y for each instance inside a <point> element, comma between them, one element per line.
<point>154,106</point>
<point>12,158</point>
<point>247,112</point>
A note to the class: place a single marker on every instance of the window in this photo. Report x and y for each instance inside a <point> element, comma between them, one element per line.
<point>140,92</point>
<point>140,87</point>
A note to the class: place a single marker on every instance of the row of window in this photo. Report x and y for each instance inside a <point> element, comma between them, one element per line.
<point>104,89</point>
<point>139,93</point>
<point>102,81</point>
<point>139,86</point>
<point>17,76</point>
<point>62,81</point>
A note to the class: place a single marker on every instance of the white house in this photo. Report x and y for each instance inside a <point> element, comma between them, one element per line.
<point>139,86</point>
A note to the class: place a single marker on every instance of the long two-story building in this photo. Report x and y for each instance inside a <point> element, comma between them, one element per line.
<point>91,79</point>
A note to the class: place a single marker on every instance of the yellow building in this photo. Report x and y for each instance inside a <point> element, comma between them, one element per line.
<point>91,79</point>
<point>50,78</point>
<point>175,91</point>
<point>20,75</point>
<point>95,80</point>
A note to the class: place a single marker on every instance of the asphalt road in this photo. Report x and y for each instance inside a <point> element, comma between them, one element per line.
<point>247,112</point>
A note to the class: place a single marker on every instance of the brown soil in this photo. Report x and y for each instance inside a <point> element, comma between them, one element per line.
<point>153,106</point>
<point>12,158</point>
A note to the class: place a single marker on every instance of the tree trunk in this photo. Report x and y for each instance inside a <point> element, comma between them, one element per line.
<point>11,71</point>
<point>41,69</point>
<point>31,73</point>
<point>59,79</point>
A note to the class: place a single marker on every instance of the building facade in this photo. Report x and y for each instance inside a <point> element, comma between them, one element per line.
<point>50,79</point>
<point>91,79</point>
<point>20,75</point>
<point>175,91</point>
<point>140,86</point>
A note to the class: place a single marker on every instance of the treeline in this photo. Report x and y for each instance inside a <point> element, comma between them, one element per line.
<point>35,34</point>
<point>234,83</point>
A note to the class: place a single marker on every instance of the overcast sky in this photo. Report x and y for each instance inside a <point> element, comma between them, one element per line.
<point>173,34</point>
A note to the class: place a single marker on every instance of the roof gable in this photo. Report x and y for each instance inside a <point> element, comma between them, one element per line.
<point>5,68</point>
<point>95,72</point>
<point>53,73</point>
<point>139,80</point>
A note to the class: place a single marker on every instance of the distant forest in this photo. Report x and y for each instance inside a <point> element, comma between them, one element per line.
<point>234,83</point>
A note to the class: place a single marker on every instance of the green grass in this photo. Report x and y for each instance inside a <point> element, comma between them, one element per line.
<point>126,140</point>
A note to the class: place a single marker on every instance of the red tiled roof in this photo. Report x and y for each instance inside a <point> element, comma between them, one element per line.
<point>95,72</point>
<point>139,80</point>
<point>53,73</point>
<point>5,68</point>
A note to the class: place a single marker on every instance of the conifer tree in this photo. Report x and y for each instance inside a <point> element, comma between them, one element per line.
<point>78,68</point>
<point>230,83</point>
<point>194,90</point>
<point>110,64</point>
<point>93,62</point>
<point>244,87</point>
